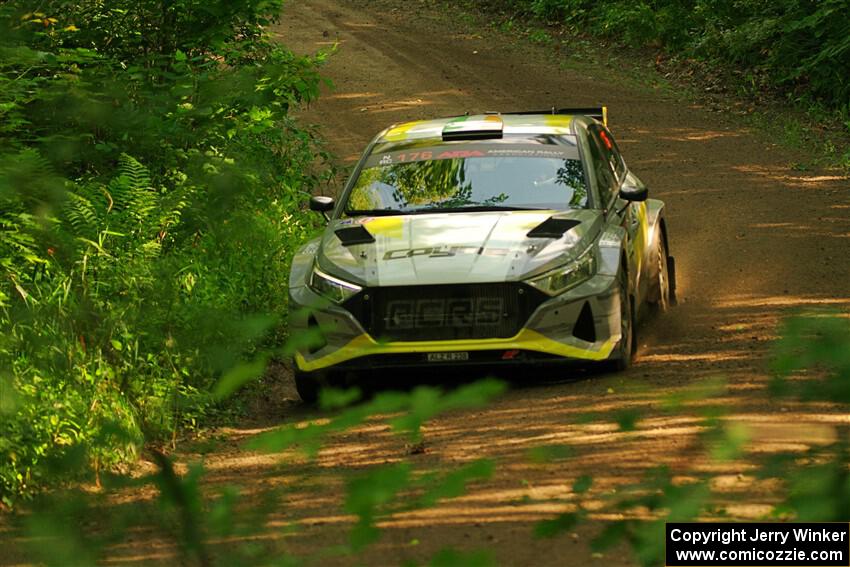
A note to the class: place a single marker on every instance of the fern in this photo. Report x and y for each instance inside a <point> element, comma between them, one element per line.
<point>128,205</point>
<point>135,198</point>
<point>81,213</point>
<point>26,175</point>
<point>132,189</point>
<point>16,240</point>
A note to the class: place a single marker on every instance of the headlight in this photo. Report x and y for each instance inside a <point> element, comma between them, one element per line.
<point>332,288</point>
<point>561,279</point>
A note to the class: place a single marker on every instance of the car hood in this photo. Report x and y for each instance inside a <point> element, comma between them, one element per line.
<point>445,248</point>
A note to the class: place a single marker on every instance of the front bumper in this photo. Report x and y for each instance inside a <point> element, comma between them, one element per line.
<point>590,310</point>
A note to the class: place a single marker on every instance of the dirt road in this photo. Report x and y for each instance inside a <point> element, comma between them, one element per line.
<point>753,237</point>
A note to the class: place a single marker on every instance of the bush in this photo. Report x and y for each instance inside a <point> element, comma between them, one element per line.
<point>800,46</point>
<point>151,183</point>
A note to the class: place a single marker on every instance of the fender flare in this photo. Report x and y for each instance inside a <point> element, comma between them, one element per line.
<point>302,263</point>
<point>655,216</point>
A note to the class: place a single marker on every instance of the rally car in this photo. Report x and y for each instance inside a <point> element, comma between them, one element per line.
<point>502,238</point>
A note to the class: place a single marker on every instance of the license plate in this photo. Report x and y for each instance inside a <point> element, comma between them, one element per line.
<point>447,356</point>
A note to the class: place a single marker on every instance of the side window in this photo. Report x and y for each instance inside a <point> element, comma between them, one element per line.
<point>602,167</point>
<point>613,153</point>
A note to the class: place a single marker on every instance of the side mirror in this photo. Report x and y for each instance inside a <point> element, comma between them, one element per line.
<point>633,189</point>
<point>321,204</point>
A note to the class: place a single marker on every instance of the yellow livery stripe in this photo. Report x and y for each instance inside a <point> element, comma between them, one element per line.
<point>526,339</point>
<point>559,121</point>
<point>391,227</point>
<point>399,133</point>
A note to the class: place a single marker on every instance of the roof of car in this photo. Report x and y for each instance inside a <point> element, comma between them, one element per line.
<point>557,124</point>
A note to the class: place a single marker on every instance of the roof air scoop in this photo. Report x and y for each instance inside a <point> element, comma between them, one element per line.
<point>552,228</point>
<point>473,128</point>
<point>354,235</point>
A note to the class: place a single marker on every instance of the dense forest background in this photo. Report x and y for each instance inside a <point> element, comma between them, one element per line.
<point>797,48</point>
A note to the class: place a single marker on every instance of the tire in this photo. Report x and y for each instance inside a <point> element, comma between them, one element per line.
<point>671,274</point>
<point>663,292</point>
<point>626,346</point>
<point>308,385</point>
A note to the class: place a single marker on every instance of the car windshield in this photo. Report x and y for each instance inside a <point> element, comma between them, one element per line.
<point>469,177</point>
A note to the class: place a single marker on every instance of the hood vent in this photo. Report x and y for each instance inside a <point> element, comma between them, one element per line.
<point>354,235</point>
<point>552,228</point>
<point>473,128</point>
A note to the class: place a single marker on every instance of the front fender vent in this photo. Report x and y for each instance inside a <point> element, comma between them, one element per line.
<point>584,328</point>
<point>315,337</point>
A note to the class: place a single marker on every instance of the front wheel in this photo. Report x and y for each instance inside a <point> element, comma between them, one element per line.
<point>664,288</point>
<point>309,384</point>
<point>661,286</point>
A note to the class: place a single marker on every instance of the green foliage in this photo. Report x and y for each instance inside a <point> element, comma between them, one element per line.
<point>453,483</point>
<point>557,525</point>
<point>417,406</point>
<point>812,363</point>
<point>550,453</point>
<point>368,493</point>
<point>582,484</point>
<point>814,343</point>
<point>195,521</point>
<point>453,558</point>
<point>800,46</point>
<point>667,501</point>
<point>151,183</point>
<point>377,491</point>
<point>812,353</point>
<point>151,179</point>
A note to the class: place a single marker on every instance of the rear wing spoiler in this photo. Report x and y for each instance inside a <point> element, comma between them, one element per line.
<point>597,112</point>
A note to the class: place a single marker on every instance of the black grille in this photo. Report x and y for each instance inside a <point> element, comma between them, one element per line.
<point>445,312</point>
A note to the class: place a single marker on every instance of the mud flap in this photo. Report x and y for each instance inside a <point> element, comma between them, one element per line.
<point>671,275</point>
